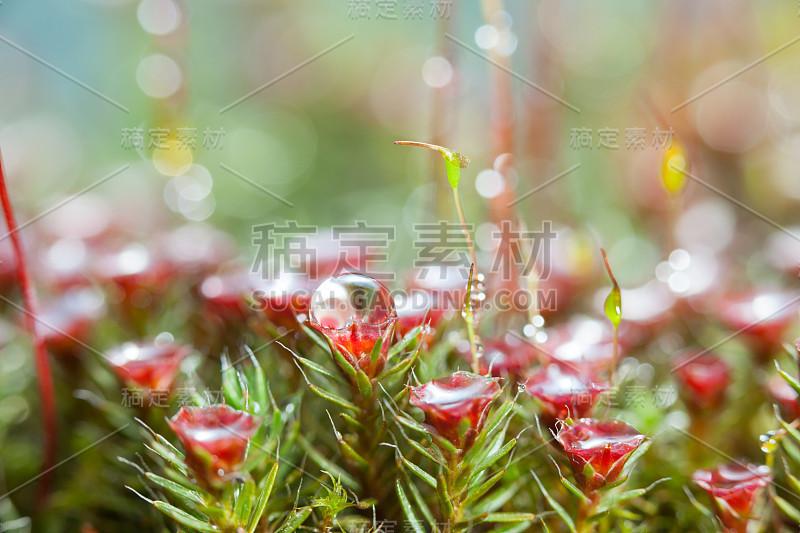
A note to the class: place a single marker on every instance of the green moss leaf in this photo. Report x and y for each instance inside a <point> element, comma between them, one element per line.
<point>613,304</point>
<point>452,159</point>
<point>412,520</point>
<point>295,520</point>
<point>184,518</point>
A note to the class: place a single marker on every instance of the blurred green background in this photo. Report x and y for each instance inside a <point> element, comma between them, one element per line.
<point>321,137</point>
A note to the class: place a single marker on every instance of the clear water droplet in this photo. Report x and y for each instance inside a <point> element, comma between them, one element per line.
<point>479,349</point>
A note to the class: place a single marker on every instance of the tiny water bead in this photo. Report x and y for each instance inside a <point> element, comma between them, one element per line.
<point>350,299</point>
<point>769,444</point>
<point>354,311</point>
<point>477,297</point>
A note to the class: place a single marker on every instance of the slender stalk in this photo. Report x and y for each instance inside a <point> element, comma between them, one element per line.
<point>41,360</point>
<point>615,348</point>
<point>469,313</point>
<point>454,162</point>
<point>465,228</point>
<point>469,319</point>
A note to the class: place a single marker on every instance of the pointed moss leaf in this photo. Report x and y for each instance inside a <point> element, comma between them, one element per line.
<point>412,424</point>
<point>633,458</point>
<point>565,517</point>
<point>484,487</point>
<point>791,431</point>
<point>328,465</point>
<point>705,511</point>
<point>409,338</point>
<point>295,520</point>
<point>793,481</point>
<point>263,498</point>
<point>315,336</point>
<point>175,488</point>
<point>500,497</point>
<point>517,528</point>
<point>397,370</point>
<point>613,500</point>
<point>499,416</point>
<point>244,501</point>
<point>791,450</point>
<point>445,503</point>
<point>260,393</point>
<point>574,490</point>
<point>318,368</point>
<point>166,454</point>
<point>355,423</point>
<point>424,452</point>
<point>509,517</point>
<point>364,385</point>
<point>167,444</point>
<point>789,379</point>
<point>492,458</point>
<point>352,455</point>
<point>588,470</point>
<point>375,354</point>
<point>407,509</point>
<point>184,518</point>
<point>419,500</point>
<point>338,400</point>
<point>230,385</point>
<point>787,508</point>
<point>343,363</point>
<point>424,476</point>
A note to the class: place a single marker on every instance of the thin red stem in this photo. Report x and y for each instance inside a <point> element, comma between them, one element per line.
<point>46,386</point>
